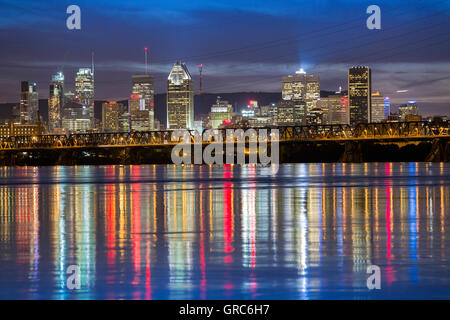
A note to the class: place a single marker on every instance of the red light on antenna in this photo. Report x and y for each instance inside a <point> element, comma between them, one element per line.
<point>146,48</point>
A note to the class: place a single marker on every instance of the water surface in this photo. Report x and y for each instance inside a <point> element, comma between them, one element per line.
<point>306,231</point>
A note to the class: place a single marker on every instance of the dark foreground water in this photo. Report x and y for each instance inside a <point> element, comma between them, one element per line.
<point>308,231</point>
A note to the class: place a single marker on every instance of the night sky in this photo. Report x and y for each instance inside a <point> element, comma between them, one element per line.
<point>243,45</point>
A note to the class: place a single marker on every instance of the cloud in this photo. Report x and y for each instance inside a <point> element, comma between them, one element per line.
<point>243,45</point>
<point>181,12</point>
<point>25,13</point>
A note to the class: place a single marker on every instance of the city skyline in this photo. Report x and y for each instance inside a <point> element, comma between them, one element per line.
<point>301,103</point>
<point>398,98</point>
<point>254,61</point>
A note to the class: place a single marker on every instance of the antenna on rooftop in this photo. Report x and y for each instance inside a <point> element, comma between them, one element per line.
<point>92,63</point>
<point>146,60</point>
<point>200,69</point>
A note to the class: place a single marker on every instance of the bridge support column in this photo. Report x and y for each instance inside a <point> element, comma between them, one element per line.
<point>440,151</point>
<point>352,152</point>
<point>446,157</point>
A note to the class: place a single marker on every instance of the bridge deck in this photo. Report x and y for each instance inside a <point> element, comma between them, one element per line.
<point>379,132</point>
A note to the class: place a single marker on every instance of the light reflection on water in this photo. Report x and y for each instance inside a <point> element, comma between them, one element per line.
<point>307,231</point>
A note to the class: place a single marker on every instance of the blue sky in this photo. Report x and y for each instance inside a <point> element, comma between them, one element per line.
<point>244,45</point>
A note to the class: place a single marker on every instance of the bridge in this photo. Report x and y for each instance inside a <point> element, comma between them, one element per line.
<point>381,142</point>
<point>387,131</point>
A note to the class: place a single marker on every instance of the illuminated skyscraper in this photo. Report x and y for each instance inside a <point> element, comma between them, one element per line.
<point>143,86</point>
<point>316,116</point>
<point>359,94</point>
<point>221,113</point>
<point>29,102</point>
<point>55,101</point>
<point>378,107</point>
<point>335,108</point>
<point>84,91</point>
<point>69,96</point>
<point>141,106</point>
<point>302,87</point>
<point>140,117</point>
<point>75,117</point>
<point>290,113</point>
<point>408,109</point>
<point>387,107</point>
<point>180,98</point>
<point>113,116</point>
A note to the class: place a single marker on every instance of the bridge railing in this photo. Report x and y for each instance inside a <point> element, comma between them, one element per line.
<point>365,130</point>
<point>384,130</point>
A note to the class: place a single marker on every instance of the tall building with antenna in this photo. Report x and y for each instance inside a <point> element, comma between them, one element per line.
<point>29,102</point>
<point>200,70</point>
<point>84,92</point>
<point>180,98</point>
<point>141,104</point>
<point>146,60</point>
<point>55,101</point>
<point>303,92</point>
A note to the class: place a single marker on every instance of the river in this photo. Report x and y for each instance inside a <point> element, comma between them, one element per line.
<point>300,231</point>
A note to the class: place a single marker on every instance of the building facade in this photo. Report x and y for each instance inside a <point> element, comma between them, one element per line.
<point>314,117</point>
<point>12,129</point>
<point>221,112</point>
<point>75,117</point>
<point>140,117</point>
<point>84,91</point>
<point>113,117</point>
<point>29,102</point>
<point>335,109</point>
<point>55,101</point>
<point>143,89</point>
<point>180,98</point>
<point>387,107</point>
<point>359,94</point>
<point>378,109</point>
<point>408,109</point>
<point>302,89</point>
<point>290,113</point>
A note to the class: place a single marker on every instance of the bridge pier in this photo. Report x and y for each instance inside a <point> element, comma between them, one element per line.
<point>446,157</point>
<point>440,151</point>
<point>352,152</point>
